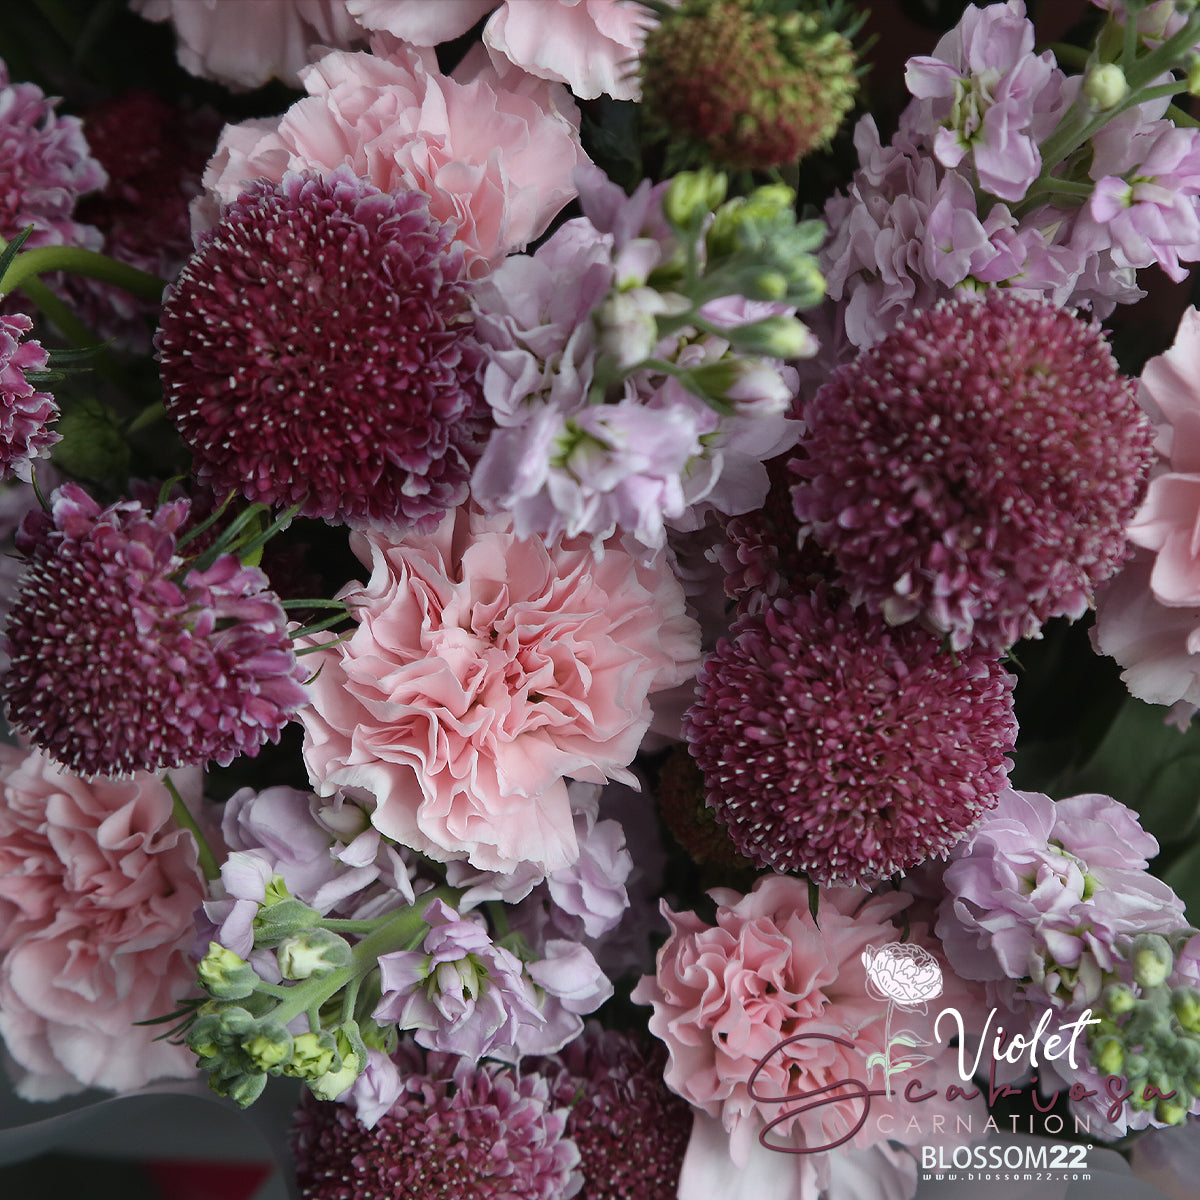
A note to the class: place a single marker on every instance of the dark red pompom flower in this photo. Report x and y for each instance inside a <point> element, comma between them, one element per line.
<point>838,746</point>
<point>318,349</point>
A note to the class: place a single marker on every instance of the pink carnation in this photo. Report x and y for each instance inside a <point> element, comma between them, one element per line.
<point>243,43</point>
<point>97,890</point>
<point>1149,618</point>
<point>484,670</point>
<point>590,45</point>
<point>726,996</point>
<point>493,160</point>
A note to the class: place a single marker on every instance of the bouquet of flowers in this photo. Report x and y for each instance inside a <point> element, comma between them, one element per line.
<point>607,594</point>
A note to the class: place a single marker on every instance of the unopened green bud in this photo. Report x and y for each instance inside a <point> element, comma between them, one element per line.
<point>312,1054</point>
<point>1185,1004</point>
<point>1108,1056</point>
<point>287,916</point>
<point>1105,86</point>
<point>777,336</point>
<point>270,1048</point>
<point>1152,960</point>
<point>768,285</point>
<point>691,196</point>
<point>315,952</point>
<point>350,1064</point>
<point>715,379</point>
<point>1118,999</point>
<point>225,975</point>
<point>1171,1112</point>
<point>244,1089</point>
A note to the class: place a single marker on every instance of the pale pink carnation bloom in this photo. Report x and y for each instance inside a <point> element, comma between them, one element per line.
<point>97,890</point>
<point>590,45</point>
<point>726,996</point>
<point>243,43</point>
<point>1149,617</point>
<point>494,160</point>
<point>484,670</point>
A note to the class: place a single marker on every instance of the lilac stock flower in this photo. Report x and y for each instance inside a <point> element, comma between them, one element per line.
<point>1144,206</point>
<point>985,94</point>
<point>461,993</point>
<point>1040,895</point>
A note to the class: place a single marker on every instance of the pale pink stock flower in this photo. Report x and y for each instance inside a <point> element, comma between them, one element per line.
<point>495,159</point>
<point>590,45</point>
<point>98,886</point>
<point>243,43</point>
<point>485,670</point>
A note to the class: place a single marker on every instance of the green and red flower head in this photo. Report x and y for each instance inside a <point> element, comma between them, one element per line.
<point>747,84</point>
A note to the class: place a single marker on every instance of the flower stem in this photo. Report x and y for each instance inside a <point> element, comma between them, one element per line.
<point>204,854</point>
<point>394,931</point>
<point>76,261</point>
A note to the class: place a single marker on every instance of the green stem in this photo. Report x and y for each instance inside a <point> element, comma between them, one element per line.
<point>395,931</point>
<point>204,854</point>
<point>76,261</point>
<point>148,415</point>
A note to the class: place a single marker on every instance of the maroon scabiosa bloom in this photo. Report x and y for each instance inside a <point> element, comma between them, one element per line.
<point>25,412</point>
<point>318,348</point>
<point>836,745</point>
<point>976,468</point>
<point>125,660</point>
<point>457,1131</point>
<point>631,1129</point>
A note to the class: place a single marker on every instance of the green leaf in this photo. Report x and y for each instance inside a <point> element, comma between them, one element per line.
<point>1184,877</point>
<point>904,1039</point>
<point>1149,765</point>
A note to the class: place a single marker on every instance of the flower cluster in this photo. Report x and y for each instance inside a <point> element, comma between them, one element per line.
<point>634,570</point>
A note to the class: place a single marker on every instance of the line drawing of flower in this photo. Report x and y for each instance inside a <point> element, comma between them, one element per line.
<point>906,976</point>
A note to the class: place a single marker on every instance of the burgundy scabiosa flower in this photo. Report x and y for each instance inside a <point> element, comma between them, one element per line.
<point>317,348</point>
<point>25,412</point>
<point>630,1128</point>
<point>124,660</point>
<point>976,468</point>
<point>456,1131</point>
<point>836,745</point>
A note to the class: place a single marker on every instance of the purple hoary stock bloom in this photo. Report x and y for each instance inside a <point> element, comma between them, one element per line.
<point>467,995</point>
<point>985,95</point>
<point>1039,898</point>
<point>1145,205</point>
<point>654,457</point>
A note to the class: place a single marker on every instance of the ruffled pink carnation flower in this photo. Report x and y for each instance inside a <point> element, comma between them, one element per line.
<point>726,996</point>
<point>244,43</point>
<point>484,670</point>
<point>97,891</point>
<point>590,45</point>
<point>1148,619</point>
<point>494,159</point>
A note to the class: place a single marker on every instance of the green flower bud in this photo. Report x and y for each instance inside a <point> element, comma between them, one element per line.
<point>277,920</point>
<point>245,1089</point>
<point>777,336</point>
<point>350,1064</point>
<point>312,1055</point>
<point>1108,1056</point>
<point>768,285</point>
<point>1171,1112</point>
<point>1118,999</point>
<point>315,952</point>
<point>270,1048</point>
<point>691,196</point>
<point>1105,86</point>
<point>1152,960</point>
<point>1185,1004</point>
<point>225,975</point>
